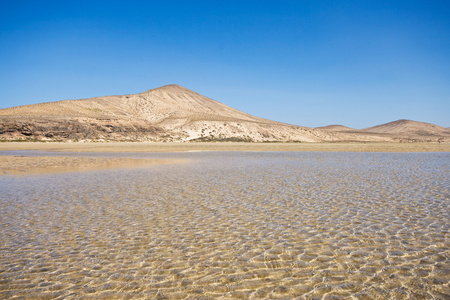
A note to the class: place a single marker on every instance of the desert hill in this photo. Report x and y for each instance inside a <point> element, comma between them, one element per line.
<point>168,113</point>
<point>337,128</point>
<point>154,105</point>
<point>409,128</point>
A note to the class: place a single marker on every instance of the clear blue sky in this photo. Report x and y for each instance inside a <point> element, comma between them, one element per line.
<point>311,63</point>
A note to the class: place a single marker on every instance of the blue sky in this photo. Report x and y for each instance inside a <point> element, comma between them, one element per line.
<point>310,63</point>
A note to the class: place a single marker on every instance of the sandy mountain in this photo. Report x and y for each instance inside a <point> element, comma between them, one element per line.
<point>409,128</point>
<point>156,105</point>
<point>168,113</point>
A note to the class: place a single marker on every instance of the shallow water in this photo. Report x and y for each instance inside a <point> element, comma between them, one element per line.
<point>230,225</point>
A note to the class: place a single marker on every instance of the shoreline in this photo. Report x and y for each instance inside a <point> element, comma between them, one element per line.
<point>222,146</point>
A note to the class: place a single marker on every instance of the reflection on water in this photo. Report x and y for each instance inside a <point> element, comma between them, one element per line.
<point>232,225</point>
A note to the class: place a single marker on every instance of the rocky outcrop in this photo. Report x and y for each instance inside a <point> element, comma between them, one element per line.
<point>77,130</point>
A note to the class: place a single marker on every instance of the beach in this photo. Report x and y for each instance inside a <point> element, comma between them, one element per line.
<point>223,146</point>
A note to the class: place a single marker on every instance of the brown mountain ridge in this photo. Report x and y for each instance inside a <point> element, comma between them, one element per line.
<point>174,113</point>
<point>409,128</point>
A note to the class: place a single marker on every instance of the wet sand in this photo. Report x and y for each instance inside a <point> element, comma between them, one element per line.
<point>29,165</point>
<point>232,225</point>
<point>183,147</point>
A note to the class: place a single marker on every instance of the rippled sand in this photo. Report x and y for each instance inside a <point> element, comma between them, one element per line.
<point>232,226</point>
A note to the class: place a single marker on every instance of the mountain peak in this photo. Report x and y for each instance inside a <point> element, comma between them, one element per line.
<point>170,88</point>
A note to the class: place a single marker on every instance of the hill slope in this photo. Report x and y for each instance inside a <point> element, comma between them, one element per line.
<point>410,128</point>
<point>154,105</point>
<point>168,113</point>
<point>337,128</point>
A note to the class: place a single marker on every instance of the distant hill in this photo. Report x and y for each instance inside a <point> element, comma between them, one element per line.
<point>170,113</point>
<point>410,128</point>
<point>336,128</point>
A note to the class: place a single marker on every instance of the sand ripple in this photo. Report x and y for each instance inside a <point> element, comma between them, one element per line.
<point>232,226</point>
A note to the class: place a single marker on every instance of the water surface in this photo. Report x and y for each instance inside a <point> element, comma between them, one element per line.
<point>228,225</point>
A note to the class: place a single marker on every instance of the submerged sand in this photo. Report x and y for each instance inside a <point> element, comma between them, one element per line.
<point>24,165</point>
<point>225,146</point>
<point>232,225</point>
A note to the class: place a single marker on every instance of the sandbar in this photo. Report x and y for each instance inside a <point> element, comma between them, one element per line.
<point>223,146</point>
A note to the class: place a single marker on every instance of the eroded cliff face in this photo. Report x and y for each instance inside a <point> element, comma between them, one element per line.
<point>173,113</point>
<point>78,130</point>
<point>120,130</point>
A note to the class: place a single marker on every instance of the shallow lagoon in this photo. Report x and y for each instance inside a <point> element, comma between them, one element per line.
<point>232,225</point>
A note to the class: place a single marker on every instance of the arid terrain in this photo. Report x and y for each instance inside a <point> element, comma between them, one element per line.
<point>185,197</point>
<point>144,147</point>
<point>174,113</point>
